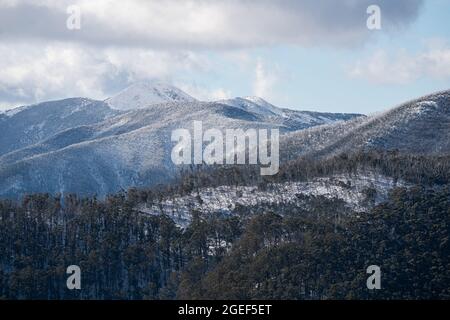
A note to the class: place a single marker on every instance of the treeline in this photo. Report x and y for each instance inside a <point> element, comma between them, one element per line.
<point>426,170</point>
<point>303,254</point>
<point>415,169</point>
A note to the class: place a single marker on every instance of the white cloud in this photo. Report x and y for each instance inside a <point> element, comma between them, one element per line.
<point>220,94</point>
<point>124,41</point>
<point>403,67</point>
<point>203,93</point>
<point>263,85</point>
<point>203,23</point>
<point>437,62</point>
<point>30,73</point>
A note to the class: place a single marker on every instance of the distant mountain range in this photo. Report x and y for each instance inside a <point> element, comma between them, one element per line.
<point>99,147</point>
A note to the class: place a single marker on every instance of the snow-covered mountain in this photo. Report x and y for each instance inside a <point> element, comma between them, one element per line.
<point>420,126</point>
<point>292,120</point>
<point>144,94</point>
<point>25,126</point>
<point>86,146</point>
<point>92,148</point>
<point>255,105</point>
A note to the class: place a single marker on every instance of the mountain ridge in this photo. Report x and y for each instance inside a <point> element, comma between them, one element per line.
<point>419,126</point>
<point>128,147</point>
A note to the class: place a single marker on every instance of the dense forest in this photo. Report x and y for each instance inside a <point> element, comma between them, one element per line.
<point>428,170</point>
<point>320,251</point>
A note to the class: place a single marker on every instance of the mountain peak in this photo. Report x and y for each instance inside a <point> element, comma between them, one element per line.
<point>146,93</point>
<point>255,105</point>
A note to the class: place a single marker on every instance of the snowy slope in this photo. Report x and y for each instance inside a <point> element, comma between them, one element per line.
<point>86,146</point>
<point>224,200</point>
<point>132,149</point>
<point>25,126</point>
<point>254,104</point>
<point>144,94</point>
<point>420,126</point>
<point>291,119</point>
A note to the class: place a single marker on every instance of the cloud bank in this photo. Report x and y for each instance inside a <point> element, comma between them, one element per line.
<point>123,41</point>
<point>206,24</point>
<point>402,67</point>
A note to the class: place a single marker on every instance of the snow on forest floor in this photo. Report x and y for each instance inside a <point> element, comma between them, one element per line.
<point>224,199</point>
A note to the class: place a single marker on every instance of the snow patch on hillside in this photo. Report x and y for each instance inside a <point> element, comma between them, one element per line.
<point>13,112</point>
<point>224,199</point>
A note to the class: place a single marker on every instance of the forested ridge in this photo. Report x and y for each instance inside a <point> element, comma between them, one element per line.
<point>415,169</point>
<point>318,252</point>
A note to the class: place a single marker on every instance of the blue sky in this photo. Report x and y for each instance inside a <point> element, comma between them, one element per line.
<point>302,54</point>
<point>318,78</point>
